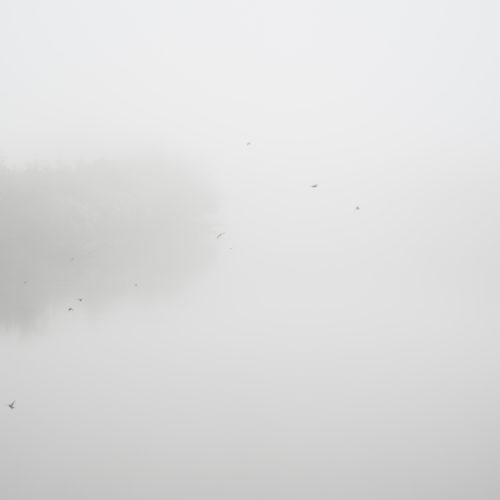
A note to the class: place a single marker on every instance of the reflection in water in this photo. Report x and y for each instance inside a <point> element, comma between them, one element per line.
<point>97,233</point>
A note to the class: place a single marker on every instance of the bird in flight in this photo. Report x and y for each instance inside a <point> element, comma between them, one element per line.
<point>70,309</point>
<point>80,299</point>
<point>314,186</point>
<point>11,406</point>
<point>219,235</point>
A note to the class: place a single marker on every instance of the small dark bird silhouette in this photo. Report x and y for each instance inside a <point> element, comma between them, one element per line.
<point>70,309</point>
<point>219,235</point>
<point>11,406</point>
<point>314,186</point>
<point>80,300</point>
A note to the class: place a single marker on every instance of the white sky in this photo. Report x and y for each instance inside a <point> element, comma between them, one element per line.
<point>314,351</point>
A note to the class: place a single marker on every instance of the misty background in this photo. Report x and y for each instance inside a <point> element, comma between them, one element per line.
<point>313,350</point>
<point>91,234</point>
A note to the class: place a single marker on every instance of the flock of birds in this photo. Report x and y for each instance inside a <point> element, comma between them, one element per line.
<point>219,235</point>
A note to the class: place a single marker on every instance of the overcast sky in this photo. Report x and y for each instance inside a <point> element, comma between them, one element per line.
<point>315,350</point>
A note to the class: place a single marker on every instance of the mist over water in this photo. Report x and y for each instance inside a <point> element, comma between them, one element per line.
<point>312,352</point>
<point>98,232</point>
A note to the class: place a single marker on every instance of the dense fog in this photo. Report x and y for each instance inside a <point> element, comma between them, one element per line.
<point>75,237</point>
<point>241,334</point>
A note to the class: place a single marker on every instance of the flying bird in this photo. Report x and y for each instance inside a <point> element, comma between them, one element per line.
<point>219,235</point>
<point>314,186</point>
<point>11,406</point>
<point>80,299</point>
<point>70,309</point>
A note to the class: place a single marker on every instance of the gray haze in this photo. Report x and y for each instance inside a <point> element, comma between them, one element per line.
<point>74,237</point>
<point>314,351</point>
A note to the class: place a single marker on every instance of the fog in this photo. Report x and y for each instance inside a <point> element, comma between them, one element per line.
<point>91,234</point>
<point>335,342</point>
